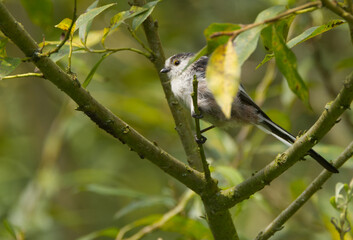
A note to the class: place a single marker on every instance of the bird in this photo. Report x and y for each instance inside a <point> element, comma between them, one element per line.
<point>243,110</point>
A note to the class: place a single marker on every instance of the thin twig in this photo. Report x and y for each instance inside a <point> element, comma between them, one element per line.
<point>163,220</point>
<point>67,35</point>
<point>71,38</point>
<point>198,131</point>
<point>23,75</point>
<point>147,55</point>
<point>350,6</point>
<point>298,10</point>
<point>315,185</point>
<point>133,34</point>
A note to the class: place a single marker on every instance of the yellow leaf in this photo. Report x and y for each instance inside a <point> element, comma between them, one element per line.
<point>65,25</point>
<point>223,75</point>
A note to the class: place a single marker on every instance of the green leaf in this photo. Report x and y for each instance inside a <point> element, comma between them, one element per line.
<point>86,17</point>
<point>246,42</point>
<point>104,190</point>
<point>223,75</point>
<point>84,29</point>
<point>7,65</point>
<point>3,42</point>
<point>140,18</point>
<point>93,70</point>
<point>333,202</point>
<point>297,187</point>
<point>188,228</point>
<point>144,203</point>
<point>213,43</point>
<point>39,11</point>
<point>107,232</point>
<point>345,63</point>
<point>230,174</point>
<point>306,35</point>
<point>287,64</point>
<point>10,229</point>
<point>199,54</point>
<point>314,31</point>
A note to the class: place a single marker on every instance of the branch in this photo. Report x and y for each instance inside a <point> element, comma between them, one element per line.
<point>182,125</point>
<point>315,185</point>
<point>326,121</point>
<point>334,7</point>
<point>301,9</point>
<point>97,112</point>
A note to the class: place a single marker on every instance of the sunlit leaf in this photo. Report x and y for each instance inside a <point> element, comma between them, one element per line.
<point>140,18</point>
<point>306,35</point>
<point>287,64</point>
<point>223,75</point>
<point>246,42</point>
<point>86,17</point>
<point>7,65</point>
<point>93,70</point>
<point>108,232</point>
<point>84,29</point>
<point>213,43</point>
<point>314,31</point>
<point>39,11</point>
<point>65,25</point>
<point>144,203</point>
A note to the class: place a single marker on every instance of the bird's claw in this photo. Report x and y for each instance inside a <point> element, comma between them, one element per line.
<point>197,116</point>
<point>200,140</point>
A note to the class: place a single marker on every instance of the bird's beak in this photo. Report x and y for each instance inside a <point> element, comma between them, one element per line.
<point>165,70</point>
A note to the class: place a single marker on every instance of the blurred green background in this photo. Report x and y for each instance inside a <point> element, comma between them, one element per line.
<point>61,177</point>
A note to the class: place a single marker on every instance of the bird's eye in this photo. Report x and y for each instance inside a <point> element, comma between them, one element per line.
<point>176,62</point>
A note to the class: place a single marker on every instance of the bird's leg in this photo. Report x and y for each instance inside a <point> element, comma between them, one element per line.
<point>208,128</point>
<point>198,115</point>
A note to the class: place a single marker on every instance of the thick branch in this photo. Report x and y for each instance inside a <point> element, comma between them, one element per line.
<point>327,120</point>
<point>183,126</point>
<point>98,113</point>
<point>304,197</point>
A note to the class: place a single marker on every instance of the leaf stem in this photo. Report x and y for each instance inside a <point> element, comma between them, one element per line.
<point>23,75</point>
<point>133,34</point>
<point>67,36</point>
<point>113,50</point>
<point>298,10</point>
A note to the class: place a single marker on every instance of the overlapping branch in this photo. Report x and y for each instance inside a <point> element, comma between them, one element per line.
<point>97,112</point>
<point>326,121</point>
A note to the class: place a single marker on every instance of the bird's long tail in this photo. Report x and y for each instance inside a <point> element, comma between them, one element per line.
<point>267,125</point>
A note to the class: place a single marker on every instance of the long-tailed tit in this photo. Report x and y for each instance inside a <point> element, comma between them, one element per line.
<point>244,110</point>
